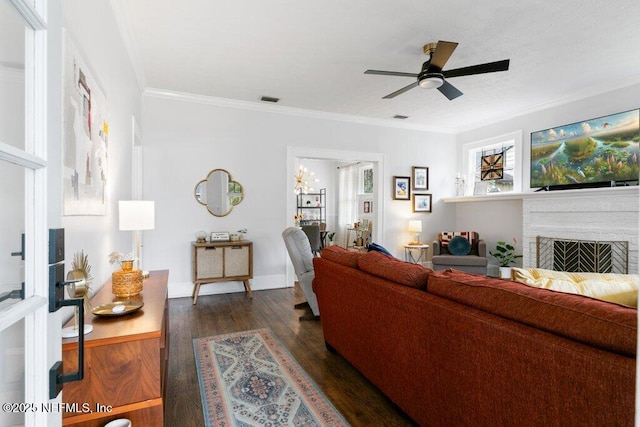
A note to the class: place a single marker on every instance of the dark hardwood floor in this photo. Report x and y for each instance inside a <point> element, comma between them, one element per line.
<point>360,402</point>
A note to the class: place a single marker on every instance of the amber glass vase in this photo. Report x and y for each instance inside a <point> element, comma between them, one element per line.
<point>126,282</point>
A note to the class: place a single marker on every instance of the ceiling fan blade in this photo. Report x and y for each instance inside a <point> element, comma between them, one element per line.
<point>441,56</point>
<point>450,91</point>
<point>400,91</point>
<point>489,67</point>
<point>390,73</point>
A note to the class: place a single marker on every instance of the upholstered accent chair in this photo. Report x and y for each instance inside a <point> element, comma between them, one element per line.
<point>299,249</point>
<point>313,233</point>
<point>449,253</point>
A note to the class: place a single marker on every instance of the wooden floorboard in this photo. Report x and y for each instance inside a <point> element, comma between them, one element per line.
<point>361,403</point>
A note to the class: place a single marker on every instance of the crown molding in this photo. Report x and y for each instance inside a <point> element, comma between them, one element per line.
<point>580,95</point>
<point>278,109</point>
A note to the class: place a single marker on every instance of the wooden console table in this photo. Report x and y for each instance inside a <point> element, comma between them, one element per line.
<point>222,262</point>
<point>126,361</point>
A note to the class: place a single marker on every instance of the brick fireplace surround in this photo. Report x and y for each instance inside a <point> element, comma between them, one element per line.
<point>604,214</point>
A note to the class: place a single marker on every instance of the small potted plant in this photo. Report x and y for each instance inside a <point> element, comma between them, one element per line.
<point>242,232</point>
<point>330,236</point>
<point>505,253</point>
<point>125,260</point>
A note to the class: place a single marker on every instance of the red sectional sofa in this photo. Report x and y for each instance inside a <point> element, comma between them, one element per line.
<point>456,349</point>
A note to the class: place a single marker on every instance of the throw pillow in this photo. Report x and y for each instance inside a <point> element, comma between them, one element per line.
<point>617,288</point>
<point>459,246</point>
<point>378,248</point>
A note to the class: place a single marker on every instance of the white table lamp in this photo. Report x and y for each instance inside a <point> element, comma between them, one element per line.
<point>137,215</point>
<point>415,227</point>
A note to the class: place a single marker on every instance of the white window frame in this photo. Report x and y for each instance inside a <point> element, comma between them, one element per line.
<point>468,164</point>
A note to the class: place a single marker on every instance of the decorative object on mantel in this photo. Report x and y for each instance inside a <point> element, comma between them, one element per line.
<point>505,254</point>
<point>126,282</point>
<point>201,237</point>
<point>415,227</point>
<point>461,185</point>
<point>303,177</point>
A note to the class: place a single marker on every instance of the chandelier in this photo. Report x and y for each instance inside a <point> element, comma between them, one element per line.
<point>303,178</point>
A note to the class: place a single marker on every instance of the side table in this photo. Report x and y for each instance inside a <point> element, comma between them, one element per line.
<point>419,256</point>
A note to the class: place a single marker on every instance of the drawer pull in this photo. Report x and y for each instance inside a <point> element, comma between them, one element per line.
<point>236,247</point>
<point>210,249</point>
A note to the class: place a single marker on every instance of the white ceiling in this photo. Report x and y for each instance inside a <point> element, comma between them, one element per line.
<point>312,54</point>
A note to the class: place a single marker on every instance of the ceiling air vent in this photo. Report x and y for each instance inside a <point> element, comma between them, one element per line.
<point>400,117</point>
<point>269,99</point>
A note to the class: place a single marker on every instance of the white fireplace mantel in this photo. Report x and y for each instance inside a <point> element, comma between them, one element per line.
<point>583,192</point>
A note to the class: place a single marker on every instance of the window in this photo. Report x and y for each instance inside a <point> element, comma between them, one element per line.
<point>493,165</point>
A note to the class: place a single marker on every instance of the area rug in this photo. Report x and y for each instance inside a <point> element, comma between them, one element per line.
<point>250,379</point>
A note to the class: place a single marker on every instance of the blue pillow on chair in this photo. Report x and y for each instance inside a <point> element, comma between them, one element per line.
<point>377,247</point>
<point>459,246</point>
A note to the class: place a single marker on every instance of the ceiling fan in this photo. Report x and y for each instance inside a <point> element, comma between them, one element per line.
<point>432,76</point>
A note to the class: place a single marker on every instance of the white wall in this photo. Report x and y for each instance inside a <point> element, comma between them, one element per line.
<point>500,220</point>
<point>92,27</point>
<point>185,140</point>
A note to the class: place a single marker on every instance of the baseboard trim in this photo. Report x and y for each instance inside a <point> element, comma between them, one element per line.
<point>258,283</point>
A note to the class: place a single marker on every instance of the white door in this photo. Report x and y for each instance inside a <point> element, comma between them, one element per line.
<point>24,317</point>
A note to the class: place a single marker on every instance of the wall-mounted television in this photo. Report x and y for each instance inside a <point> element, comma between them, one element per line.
<point>591,153</point>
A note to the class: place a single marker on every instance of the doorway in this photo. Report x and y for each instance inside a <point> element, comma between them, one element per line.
<point>333,159</point>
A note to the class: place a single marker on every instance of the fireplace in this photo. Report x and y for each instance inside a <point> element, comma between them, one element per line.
<point>602,216</point>
<point>582,255</point>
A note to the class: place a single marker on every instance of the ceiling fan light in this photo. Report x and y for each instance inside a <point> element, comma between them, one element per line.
<point>431,82</point>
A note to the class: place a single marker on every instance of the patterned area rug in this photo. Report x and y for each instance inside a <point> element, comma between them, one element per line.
<point>249,379</point>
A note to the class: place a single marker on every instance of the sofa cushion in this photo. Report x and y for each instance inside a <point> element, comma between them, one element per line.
<point>596,323</point>
<point>395,270</point>
<point>616,288</point>
<point>341,256</point>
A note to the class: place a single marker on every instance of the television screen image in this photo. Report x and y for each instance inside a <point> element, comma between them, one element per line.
<point>589,152</point>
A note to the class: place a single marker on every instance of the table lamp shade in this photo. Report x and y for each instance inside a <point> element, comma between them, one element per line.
<point>415,226</point>
<point>136,215</point>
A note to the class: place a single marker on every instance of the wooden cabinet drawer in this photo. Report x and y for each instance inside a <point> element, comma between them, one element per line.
<point>236,261</point>
<point>209,262</point>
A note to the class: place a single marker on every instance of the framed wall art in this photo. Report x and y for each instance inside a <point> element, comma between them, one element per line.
<point>401,188</point>
<point>422,202</point>
<point>420,178</point>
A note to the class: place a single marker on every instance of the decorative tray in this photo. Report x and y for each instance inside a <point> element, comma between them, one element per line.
<point>118,308</point>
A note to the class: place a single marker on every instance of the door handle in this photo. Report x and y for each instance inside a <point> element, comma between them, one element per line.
<point>56,301</point>
<point>21,253</point>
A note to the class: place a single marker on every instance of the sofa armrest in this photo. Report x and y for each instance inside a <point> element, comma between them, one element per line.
<point>436,247</point>
<point>482,248</point>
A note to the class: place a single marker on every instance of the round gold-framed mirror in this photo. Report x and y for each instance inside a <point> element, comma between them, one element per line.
<point>219,192</point>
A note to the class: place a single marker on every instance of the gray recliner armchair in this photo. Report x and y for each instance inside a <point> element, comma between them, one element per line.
<point>299,249</point>
<point>475,262</point>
